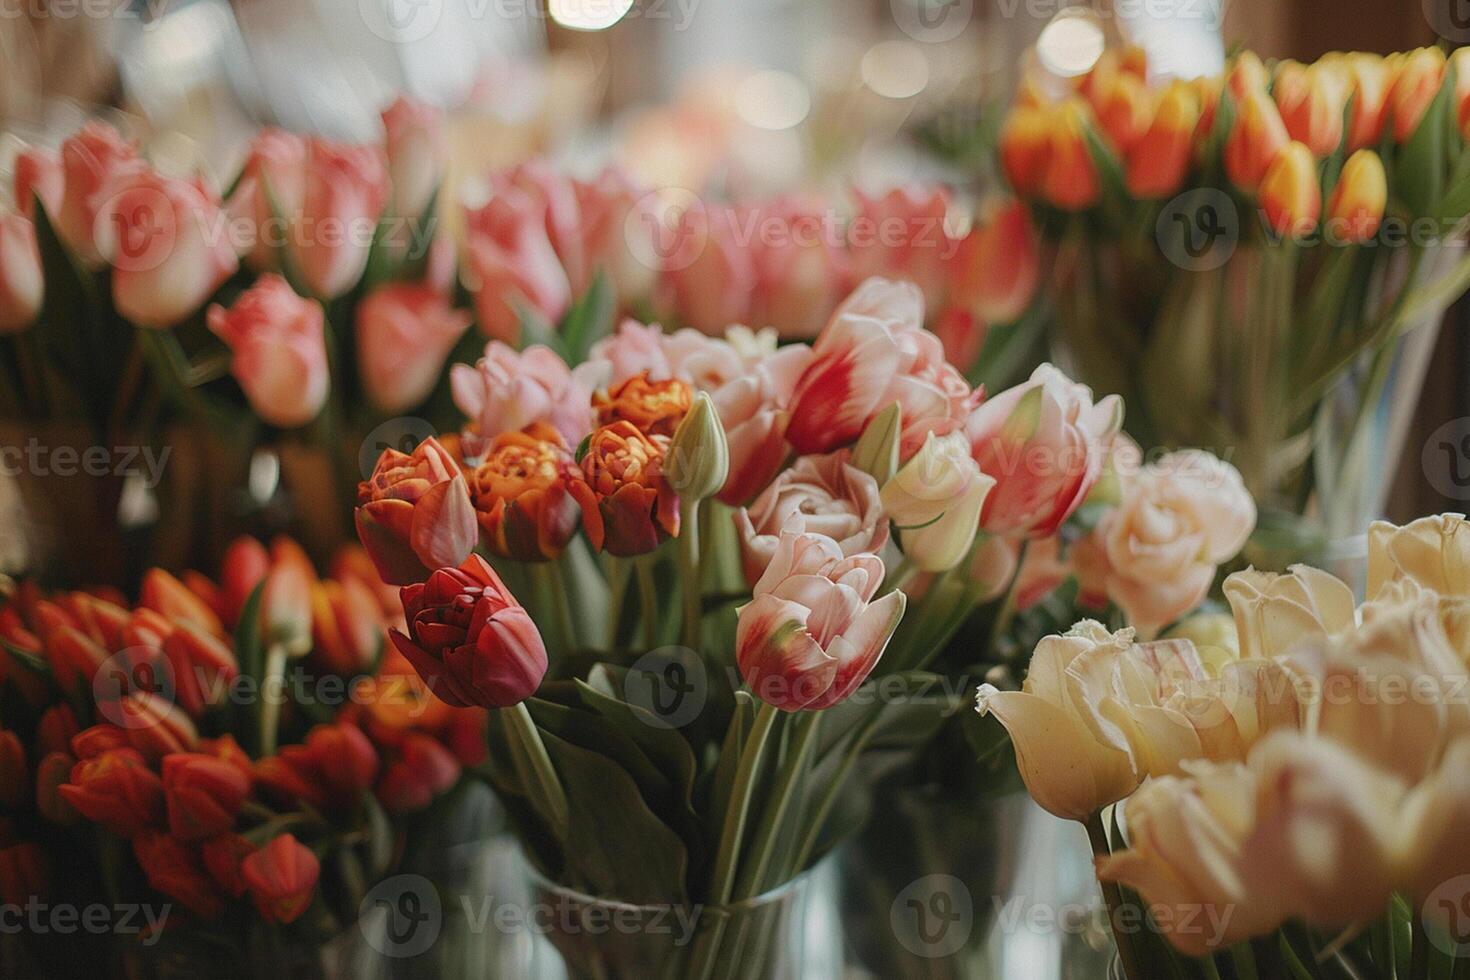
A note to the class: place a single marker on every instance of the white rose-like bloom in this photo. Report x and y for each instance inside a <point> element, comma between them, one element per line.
<point>934,501</point>
<point>1179,518</point>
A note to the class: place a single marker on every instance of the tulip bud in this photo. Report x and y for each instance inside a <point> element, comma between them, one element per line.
<point>202,667</point>
<point>278,779</point>
<point>1070,181</point>
<point>173,869</point>
<point>1159,161</point>
<point>934,502</point>
<point>1247,75</point>
<point>1359,199</point>
<point>1460,62</point>
<point>117,790</point>
<point>92,159</point>
<point>995,271</point>
<point>21,280</point>
<point>1311,101</point>
<point>281,878</point>
<point>53,771</point>
<point>1420,74</point>
<point>1256,139</point>
<point>278,351</point>
<point>415,141</point>
<point>1122,108</point>
<point>1024,146</point>
<point>25,873</point>
<point>92,742</point>
<point>1369,78</point>
<point>203,795</point>
<point>156,727</point>
<point>56,729</point>
<point>876,452</point>
<point>222,857</point>
<point>699,457</point>
<point>346,626</point>
<point>285,602</point>
<point>1289,193</point>
<point>423,770</point>
<point>405,332</point>
<point>38,176</point>
<point>345,188</point>
<point>170,598</point>
<point>341,758</point>
<point>15,777</point>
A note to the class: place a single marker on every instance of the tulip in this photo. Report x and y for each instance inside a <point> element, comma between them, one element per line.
<point>117,790</point>
<point>877,449</point>
<point>1257,138</point>
<point>15,776</point>
<point>1161,158</point>
<point>1045,443</point>
<point>423,770</point>
<point>1247,75</point>
<point>512,266</point>
<point>415,143</point>
<point>1122,107</point>
<point>278,779</point>
<point>800,268</point>
<point>285,600</point>
<point>155,726</point>
<point>1433,552</point>
<point>1416,83</point>
<point>1436,812</point>
<point>995,271</point>
<point>56,729</point>
<point>203,795</point>
<point>962,334</point>
<point>226,749</point>
<point>165,241</point>
<point>1311,101</point>
<point>1025,144</point>
<point>902,235</point>
<point>243,568</point>
<point>222,857</point>
<point>1273,612</point>
<point>552,196</point>
<point>340,758</point>
<point>92,742</point>
<point>405,332</point>
<point>754,412</point>
<point>1067,770</point>
<point>22,284</point>
<point>698,461</point>
<point>170,598</point>
<point>655,407</point>
<point>628,506</point>
<point>414,513</point>
<point>272,185</point>
<point>93,160</point>
<point>344,191</point>
<point>469,639</point>
<point>618,225</point>
<point>74,657</point>
<point>52,772</point>
<point>521,499</point>
<point>281,878</point>
<point>1358,200</point>
<point>1290,196</point>
<point>711,276</point>
<point>38,177</point>
<point>1070,181</point>
<point>25,874</point>
<point>812,631</point>
<point>279,351</point>
<point>1460,62</point>
<point>202,668</point>
<point>352,563</point>
<point>346,626</point>
<point>509,391</point>
<point>824,495</point>
<point>934,502</point>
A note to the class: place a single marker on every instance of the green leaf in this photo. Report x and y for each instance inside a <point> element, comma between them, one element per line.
<point>1419,177</point>
<point>589,320</point>
<point>663,745</point>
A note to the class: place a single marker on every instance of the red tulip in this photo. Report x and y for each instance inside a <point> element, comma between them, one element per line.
<point>995,272</point>
<point>52,772</point>
<point>203,794</point>
<point>117,790</point>
<point>281,878</point>
<point>156,727</point>
<point>339,758</point>
<point>222,857</point>
<point>15,776</point>
<point>56,729</point>
<point>202,666</point>
<point>25,873</point>
<point>173,869</point>
<point>423,769</point>
<point>245,565</point>
<point>347,625</point>
<point>169,597</point>
<point>92,742</point>
<point>414,513</point>
<point>279,779</point>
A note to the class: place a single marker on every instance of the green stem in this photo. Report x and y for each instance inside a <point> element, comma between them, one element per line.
<point>834,790</point>
<point>647,599</point>
<point>551,583</point>
<point>1097,835</point>
<point>689,568</point>
<point>272,693</point>
<point>545,788</point>
<point>753,871</point>
<point>1419,951</point>
<point>617,594</point>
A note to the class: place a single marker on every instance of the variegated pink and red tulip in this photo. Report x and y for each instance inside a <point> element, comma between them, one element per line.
<point>414,513</point>
<point>813,632</point>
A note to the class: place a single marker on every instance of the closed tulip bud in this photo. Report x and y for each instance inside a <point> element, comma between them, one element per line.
<point>202,667</point>
<point>1460,62</point>
<point>1070,181</point>
<point>1290,194</point>
<point>341,759</point>
<point>346,626</point>
<point>423,770</point>
<point>995,271</point>
<point>511,265</point>
<point>1025,144</point>
<point>414,513</point>
<point>344,192</point>
<point>25,873</point>
<point>175,870</point>
<point>415,142</point>
<point>156,727</point>
<point>52,772</point>
<point>117,790</point>
<point>1122,108</point>
<point>1356,207</point>
<point>628,506</point>
<point>699,457</point>
<point>280,780</point>
<point>15,776</point>
<point>1247,74</point>
<point>1369,78</point>
<point>92,160</point>
<point>278,351</point>
<point>1257,138</point>
<point>21,280</point>
<point>934,502</point>
<point>876,452</point>
<point>1158,163</point>
<point>285,602</point>
<point>405,332</point>
<point>74,657</point>
<point>203,795</point>
<point>38,176</point>
<point>56,729</point>
<point>222,857</point>
<point>1208,90</point>
<point>92,742</point>
<point>170,598</point>
<point>469,639</point>
<point>1418,80</point>
<point>1311,101</point>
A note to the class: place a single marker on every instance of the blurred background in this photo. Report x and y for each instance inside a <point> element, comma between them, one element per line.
<point>743,96</point>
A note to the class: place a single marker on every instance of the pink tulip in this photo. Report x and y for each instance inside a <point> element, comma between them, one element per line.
<point>414,513</point>
<point>280,352</point>
<point>872,353</point>
<point>555,198</point>
<point>404,333</point>
<point>618,228</point>
<point>812,633</point>
<point>508,391</point>
<point>799,268</point>
<point>996,268</point>
<point>344,191</point>
<point>1045,443</point>
<point>167,243</point>
<point>711,277</point>
<point>901,235</point>
<point>21,281</point>
<point>274,183</point>
<point>469,639</point>
<point>511,265</point>
<point>415,141</point>
<point>754,408</point>
<point>91,160</point>
<point>38,175</point>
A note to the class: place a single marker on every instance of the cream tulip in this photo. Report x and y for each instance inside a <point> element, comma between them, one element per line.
<point>1432,551</point>
<point>934,502</point>
<point>1275,611</point>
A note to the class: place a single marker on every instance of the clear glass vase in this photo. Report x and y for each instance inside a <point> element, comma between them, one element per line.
<point>972,887</point>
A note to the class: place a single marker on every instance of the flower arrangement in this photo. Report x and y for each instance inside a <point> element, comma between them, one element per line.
<point>698,582</point>
<point>1265,237</point>
<point>1287,794</point>
<point>161,756</point>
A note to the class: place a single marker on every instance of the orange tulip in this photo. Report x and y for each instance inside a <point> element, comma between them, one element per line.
<point>1358,200</point>
<point>1460,61</point>
<point>1311,101</point>
<point>995,271</point>
<point>1070,180</point>
<point>1369,77</point>
<point>1289,194</point>
<point>655,407</point>
<point>1158,163</point>
<point>1417,82</point>
<point>1256,139</point>
<point>1024,147</point>
<point>1123,108</point>
<point>628,506</point>
<point>1207,90</point>
<point>1247,75</point>
<point>521,499</point>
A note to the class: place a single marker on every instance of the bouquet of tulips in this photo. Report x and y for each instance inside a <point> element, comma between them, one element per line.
<point>211,779</point>
<point>1239,256</point>
<point>698,581</point>
<point>1293,786</point>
